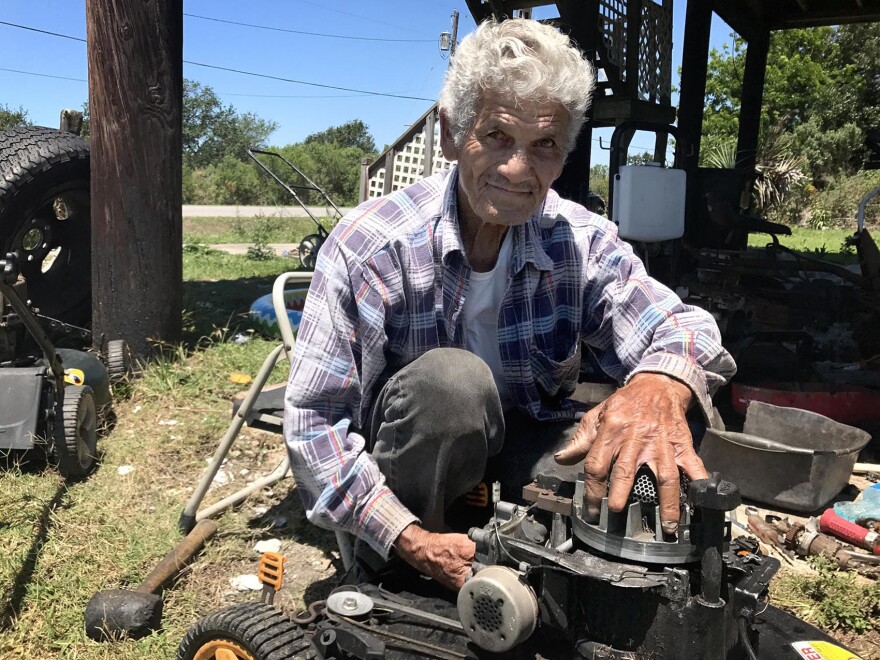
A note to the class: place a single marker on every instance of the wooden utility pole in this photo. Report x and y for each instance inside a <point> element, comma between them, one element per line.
<point>135,53</point>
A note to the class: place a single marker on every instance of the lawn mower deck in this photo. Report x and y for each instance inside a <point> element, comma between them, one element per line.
<point>549,583</point>
<point>54,399</point>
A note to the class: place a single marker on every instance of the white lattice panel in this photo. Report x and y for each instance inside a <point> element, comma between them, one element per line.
<point>409,165</point>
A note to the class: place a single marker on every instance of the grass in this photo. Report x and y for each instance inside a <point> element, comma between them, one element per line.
<point>62,542</point>
<point>272,229</point>
<point>828,244</point>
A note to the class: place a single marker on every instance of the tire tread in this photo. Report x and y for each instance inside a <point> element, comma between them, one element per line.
<point>263,630</point>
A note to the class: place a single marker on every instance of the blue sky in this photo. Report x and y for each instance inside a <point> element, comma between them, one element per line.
<point>408,64</point>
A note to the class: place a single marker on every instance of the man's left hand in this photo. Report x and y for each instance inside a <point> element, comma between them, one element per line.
<point>642,423</point>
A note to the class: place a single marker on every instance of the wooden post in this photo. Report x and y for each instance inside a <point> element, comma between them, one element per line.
<point>750,106</point>
<point>694,63</point>
<point>135,55</point>
<point>430,123</point>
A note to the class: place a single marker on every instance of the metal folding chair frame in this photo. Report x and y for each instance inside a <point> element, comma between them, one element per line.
<point>191,513</point>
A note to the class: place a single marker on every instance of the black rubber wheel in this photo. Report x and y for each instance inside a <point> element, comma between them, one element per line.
<point>45,215</point>
<point>76,435</point>
<point>118,360</point>
<point>308,250</point>
<point>249,631</point>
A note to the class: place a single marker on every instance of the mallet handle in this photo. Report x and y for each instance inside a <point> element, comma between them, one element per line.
<point>180,554</point>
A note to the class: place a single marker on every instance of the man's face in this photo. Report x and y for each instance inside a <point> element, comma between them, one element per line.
<point>509,158</point>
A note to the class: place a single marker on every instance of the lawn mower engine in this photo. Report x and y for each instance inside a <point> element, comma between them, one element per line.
<point>618,587</point>
<point>550,583</point>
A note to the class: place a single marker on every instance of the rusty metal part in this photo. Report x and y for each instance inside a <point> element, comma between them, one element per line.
<point>312,614</point>
<point>546,499</point>
<point>763,530</point>
<point>790,540</point>
<point>116,612</point>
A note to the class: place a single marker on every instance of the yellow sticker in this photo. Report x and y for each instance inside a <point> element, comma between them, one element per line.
<point>74,377</point>
<point>822,651</point>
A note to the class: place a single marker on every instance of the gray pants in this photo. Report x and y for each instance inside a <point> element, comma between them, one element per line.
<point>437,428</point>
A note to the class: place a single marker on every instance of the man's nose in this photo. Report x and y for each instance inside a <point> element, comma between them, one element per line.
<point>517,167</point>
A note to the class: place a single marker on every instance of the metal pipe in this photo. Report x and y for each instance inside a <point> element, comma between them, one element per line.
<point>863,204</point>
<point>188,517</point>
<point>280,308</point>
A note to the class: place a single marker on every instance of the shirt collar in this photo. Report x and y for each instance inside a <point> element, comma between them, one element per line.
<point>526,237</point>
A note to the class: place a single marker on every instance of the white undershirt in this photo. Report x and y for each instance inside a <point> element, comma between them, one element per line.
<point>480,315</point>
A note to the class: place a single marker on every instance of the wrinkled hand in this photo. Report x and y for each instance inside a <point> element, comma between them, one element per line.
<point>643,423</point>
<point>445,557</point>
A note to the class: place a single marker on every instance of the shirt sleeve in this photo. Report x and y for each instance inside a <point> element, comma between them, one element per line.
<point>339,482</point>
<point>640,325</point>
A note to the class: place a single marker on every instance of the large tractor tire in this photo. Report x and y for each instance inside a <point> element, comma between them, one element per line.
<point>45,216</point>
<point>250,631</point>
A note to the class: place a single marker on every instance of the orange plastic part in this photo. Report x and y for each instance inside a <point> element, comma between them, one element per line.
<point>222,649</point>
<point>271,571</point>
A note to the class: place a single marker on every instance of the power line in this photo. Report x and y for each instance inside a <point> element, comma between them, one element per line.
<point>44,75</point>
<point>293,96</point>
<point>248,73</point>
<point>54,34</point>
<point>312,34</point>
<point>310,84</point>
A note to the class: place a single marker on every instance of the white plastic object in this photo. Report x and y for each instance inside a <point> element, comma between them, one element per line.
<point>498,609</point>
<point>649,203</point>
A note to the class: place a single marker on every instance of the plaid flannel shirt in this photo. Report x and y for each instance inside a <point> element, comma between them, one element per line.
<point>389,286</point>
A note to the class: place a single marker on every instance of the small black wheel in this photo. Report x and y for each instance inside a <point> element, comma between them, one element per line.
<point>45,216</point>
<point>76,436</point>
<point>249,631</point>
<point>308,250</point>
<point>118,360</point>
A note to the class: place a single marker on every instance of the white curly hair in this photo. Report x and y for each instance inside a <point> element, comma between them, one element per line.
<point>519,57</point>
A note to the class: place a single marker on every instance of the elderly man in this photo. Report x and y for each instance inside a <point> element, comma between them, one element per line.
<point>442,333</point>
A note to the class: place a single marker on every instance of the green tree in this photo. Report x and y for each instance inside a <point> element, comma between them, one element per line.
<point>212,131</point>
<point>351,134</point>
<point>10,118</point>
<point>801,64</point>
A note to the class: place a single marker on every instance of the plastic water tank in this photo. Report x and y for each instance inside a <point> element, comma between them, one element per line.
<point>649,202</point>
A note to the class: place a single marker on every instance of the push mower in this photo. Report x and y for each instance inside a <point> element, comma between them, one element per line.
<point>309,246</point>
<point>52,398</point>
<point>548,583</point>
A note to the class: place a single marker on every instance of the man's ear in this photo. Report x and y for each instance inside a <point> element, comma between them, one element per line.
<point>447,144</point>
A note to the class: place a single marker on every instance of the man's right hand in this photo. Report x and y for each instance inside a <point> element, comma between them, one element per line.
<point>446,558</point>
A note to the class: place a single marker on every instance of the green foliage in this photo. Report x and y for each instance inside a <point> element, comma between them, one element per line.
<point>213,132</point>
<point>228,181</point>
<point>351,134</point>
<point>838,202</point>
<point>599,180</point>
<point>834,600</point>
<point>263,230</point>
<point>800,65</point>
<point>10,118</point>
<point>854,95</point>
<point>643,158</point>
<point>827,152</point>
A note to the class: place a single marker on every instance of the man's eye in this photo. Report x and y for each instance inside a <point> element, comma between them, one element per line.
<point>547,143</point>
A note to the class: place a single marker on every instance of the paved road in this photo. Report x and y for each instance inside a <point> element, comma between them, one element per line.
<point>201,211</point>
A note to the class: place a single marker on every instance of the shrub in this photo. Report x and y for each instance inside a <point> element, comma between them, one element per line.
<point>838,202</point>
